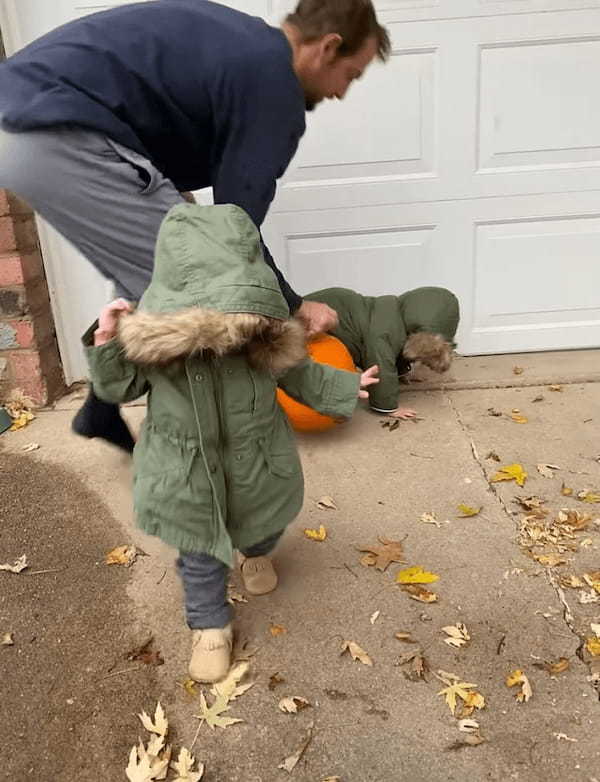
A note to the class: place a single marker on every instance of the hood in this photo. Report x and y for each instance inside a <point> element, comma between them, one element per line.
<point>211,290</point>
<point>434,310</point>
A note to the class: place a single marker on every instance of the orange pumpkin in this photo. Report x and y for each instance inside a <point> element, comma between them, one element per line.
<point>323,349</point>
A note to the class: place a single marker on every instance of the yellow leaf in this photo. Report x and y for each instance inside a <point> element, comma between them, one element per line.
<point>416,575</point>
<point>356,652</point>
<point>519,419</point>
<point>519,677</point>
<point>277,630</point>
<point>588,496</point>
<point>316,534</point>
<point>560,666</point>
<point>21,420</point>
<point>517,370</point>
<point>475,700</point>
<point>122,555</point>
<point>512,472</point>
<point>593,646</point>
<point>467,510</point>
<point>419,593</point>
<point>189,685</point>
<point>454,690</point>
<point>555,387</point>
<point>549,560</point>
<point>566,491</point>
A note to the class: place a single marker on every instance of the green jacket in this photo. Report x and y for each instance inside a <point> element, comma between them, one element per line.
<point>216,465</point>
<point>375,329</point>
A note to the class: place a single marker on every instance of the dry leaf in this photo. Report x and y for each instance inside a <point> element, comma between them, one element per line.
<point>547,469</point>
<point>538,398</point>
<point>356,652</point>
<point>563,736</point>
<point>418,668</point>
<point>549,560</point>
<point>593,579</point>
<point>588,496</point>
<point>468,726</point>
<point>122,555</point>
<point>381,556</point>
<point>518,418</point>
<point>573,582</point>
<point>519,677</point>
<point>30,447</point>
<point>374,617</point>
<point>190,686</point>
<point>588,597</point>
<point>475,700</point>
<point>512,472</point>
<point>316,534</point>
<point>517,370</point>
<point>332,779</point>
<point>290,763</point>
<point>274,680</point>
<point>211,715</point>
<point>456,690</point>
<point>277,630</point>
<point>230,688</point>
<point>160,726</point>
<point>292,704</point>
<point>458,635</point>
<point>592,644</point>
<point>595,628</point>
<point>493,456</point>
<point>233,596</point>
<point>184,767</point>
<point>430,518</point>
<point>560,666</point>
<point>140,769</point>
<point>326,503</point>
<point>467,510</point>
<point>145,654</point>
<point>415,575</point>
<point>419,593</point>
<point>18,566</point>
<point>532,503</point>
<point>405,637</point>
<point>555,387</point>
<point>566,491</point>
<point>21,420</point>
<point>7,640</point>
<point>493,412</point>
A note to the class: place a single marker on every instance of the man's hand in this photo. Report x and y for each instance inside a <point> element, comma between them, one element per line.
<point>403,413</point>
<point>368,379</point>
<point>109,320</point>
<point>317,317</point>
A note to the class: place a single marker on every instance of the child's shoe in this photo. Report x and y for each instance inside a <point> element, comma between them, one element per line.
<point>258,575</point>
<point>211,654</point>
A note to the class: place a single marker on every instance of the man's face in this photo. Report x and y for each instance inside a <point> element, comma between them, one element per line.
<point>331,74</point>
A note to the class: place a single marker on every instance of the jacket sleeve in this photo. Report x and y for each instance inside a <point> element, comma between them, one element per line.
<point>327,390</point>
<point>113,377</point>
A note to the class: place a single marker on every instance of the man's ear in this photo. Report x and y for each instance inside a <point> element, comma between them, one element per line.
<point>329,46</point>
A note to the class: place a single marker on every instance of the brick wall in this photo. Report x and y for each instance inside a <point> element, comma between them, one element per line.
<point>29,357</point>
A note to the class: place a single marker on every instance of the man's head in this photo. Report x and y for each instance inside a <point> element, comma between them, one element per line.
<point>333,42</point>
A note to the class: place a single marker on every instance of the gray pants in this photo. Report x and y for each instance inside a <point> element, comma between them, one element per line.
<point>105,199</point>
<point>205,585</point>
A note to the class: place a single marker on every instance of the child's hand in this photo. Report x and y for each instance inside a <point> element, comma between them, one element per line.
<point>368,379</point>
<point>109,319</point>
<point>403,413</point>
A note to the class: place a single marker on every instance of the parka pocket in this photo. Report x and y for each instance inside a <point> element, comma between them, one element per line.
<point>147,175</point>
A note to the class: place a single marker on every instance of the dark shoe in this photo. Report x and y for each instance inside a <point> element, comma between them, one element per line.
<point>102,419</point>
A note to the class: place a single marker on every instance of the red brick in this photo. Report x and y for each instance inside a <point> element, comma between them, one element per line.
<point>11,270</point>
<point>24,332</point>
<point>13,303</point>
<point>17,233</point>
<point>12,204</point>
<point>23,365</point>
<point>38,298</point>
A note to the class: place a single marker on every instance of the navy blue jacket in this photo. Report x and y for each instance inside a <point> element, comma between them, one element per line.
<point>208,94</point>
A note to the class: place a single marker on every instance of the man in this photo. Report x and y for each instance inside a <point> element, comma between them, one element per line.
<point>108,119</point>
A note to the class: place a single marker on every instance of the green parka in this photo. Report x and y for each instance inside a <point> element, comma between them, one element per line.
<point>376,328</point>
<point>216,465</point>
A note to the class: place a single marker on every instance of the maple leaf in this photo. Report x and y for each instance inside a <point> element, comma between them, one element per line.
<point>475,700</point>
<point>211,715</point>
<point>292,704</point>
<point>467,510</point>
<point>230,687</point>
<point>511,472</point>
<point>184,767</point>
<point>456,690</point>
<point>122,555</point>
<point>416,575</point>
<point>316,534</point>
<point>160,726</point>
<point>547,469</point>
<point>381,556</point>
<point>19,565</point>
<point>419,593</point>
<point>277,630</point>
<point>143,767</point>
<point>290,763</point>
<point>458,635</point>
<point>326,503</point>
<point>356,652</point>
<point>519,677</point>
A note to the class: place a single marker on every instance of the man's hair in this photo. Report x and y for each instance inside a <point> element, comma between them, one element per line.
<point>353,20</point>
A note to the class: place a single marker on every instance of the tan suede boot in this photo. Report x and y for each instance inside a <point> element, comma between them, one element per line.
<point>258,575</point>
<point>211,653</point>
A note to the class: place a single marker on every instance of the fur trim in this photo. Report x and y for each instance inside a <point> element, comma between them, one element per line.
<point>162,338</point>
<point>430,349</point>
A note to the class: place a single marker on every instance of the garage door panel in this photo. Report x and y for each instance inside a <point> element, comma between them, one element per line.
<point>527,92</point>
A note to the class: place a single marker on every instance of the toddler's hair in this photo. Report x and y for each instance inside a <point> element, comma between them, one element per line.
<point>430,349</point>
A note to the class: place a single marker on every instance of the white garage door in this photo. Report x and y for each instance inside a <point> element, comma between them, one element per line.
<point>471,160</point>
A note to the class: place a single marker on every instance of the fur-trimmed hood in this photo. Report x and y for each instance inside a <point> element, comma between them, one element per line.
<point>161,338</point>
<point>211,290</point>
